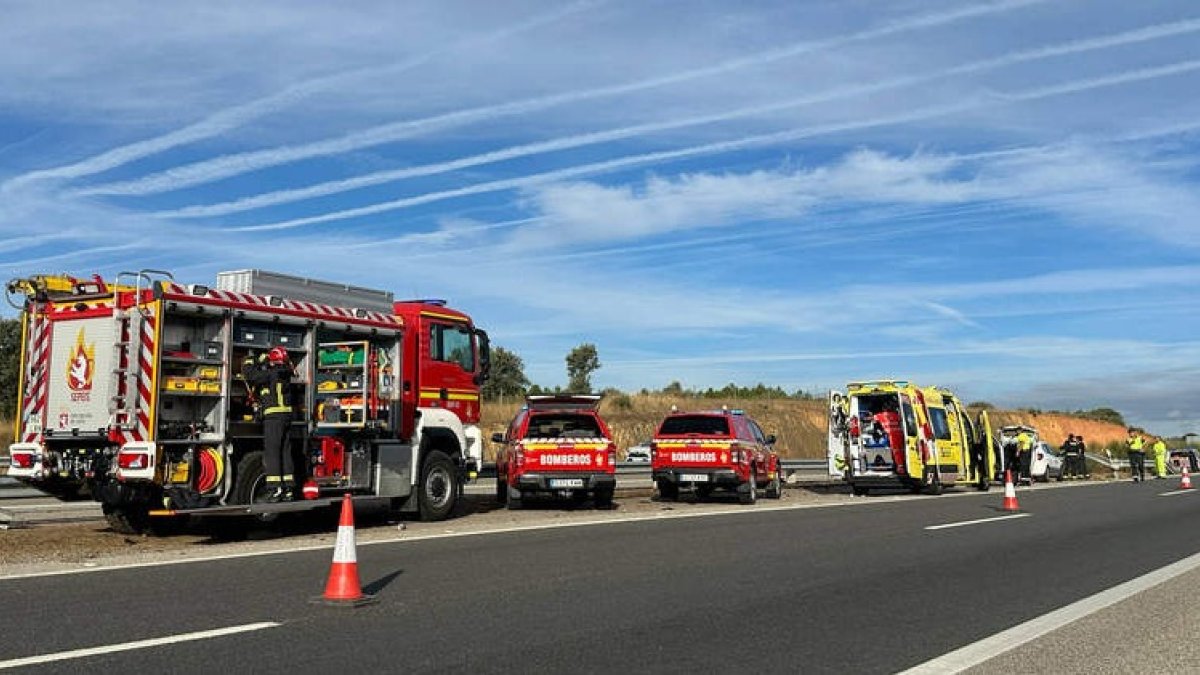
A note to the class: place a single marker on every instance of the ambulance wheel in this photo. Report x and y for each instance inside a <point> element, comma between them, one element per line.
<point>127,518</point>
<point>603,498</point>
<point>934,485</point>
<point>667,491</point>
<point>748,491</point>
<point>439,487</point>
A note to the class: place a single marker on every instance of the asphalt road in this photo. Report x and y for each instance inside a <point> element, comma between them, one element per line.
<point>863,589</point>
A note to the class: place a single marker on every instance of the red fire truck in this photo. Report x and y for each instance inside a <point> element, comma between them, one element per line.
<point>131,391</point>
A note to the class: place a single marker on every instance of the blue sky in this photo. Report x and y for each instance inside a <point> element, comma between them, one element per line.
<point>999,196</point>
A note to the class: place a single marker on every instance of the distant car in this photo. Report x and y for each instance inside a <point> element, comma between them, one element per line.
<point>1045,463</point>
<point>639,453</point>
<point>1183,458</point>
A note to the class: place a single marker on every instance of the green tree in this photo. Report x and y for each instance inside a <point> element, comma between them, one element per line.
<point>581,363</point>
<point>507,377</point>
<point>10,366</point>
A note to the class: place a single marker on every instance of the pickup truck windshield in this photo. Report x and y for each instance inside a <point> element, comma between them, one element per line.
<point>704,425</point>
<point>563,425</point>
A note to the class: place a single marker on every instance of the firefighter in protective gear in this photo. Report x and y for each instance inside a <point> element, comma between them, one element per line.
<point>1137,455</point>
<point>269,376</point>
<point>1025,455</point>
<point>1160,458</point>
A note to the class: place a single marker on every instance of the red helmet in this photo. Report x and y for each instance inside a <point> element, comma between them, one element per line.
<point>277,355</point>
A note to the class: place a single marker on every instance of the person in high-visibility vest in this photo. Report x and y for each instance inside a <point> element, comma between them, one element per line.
<point>1160,458</point>
<point>1137,455</point>
<point>1025,455</point>
<point>270,376</point>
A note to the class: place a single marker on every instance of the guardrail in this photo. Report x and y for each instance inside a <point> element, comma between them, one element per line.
<point>637,468</point>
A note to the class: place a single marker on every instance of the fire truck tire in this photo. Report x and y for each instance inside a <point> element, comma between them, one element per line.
<point>667,491</point>
<point>603,498</point>
<point>439,487</point>
<point>127,518</point>
<point>748,491</point>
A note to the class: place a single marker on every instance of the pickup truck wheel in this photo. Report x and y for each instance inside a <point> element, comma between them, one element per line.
<point>860,491</point>
<point>748,492</point>
<point>501,491</point>
<point>439,486</point>
<point>513,499</point>
<point>667,491</point>
<point>603,498</point>
<point>127,518</point>
<point>775,487</point>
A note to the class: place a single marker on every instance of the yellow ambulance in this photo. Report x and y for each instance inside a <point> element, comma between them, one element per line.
<point>887,434</point>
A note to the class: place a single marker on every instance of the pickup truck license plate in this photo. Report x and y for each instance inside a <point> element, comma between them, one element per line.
<point>566,482</point>
<point>693,478</point>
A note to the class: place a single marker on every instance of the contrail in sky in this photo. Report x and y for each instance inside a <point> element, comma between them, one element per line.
<point>736,144</point>
<point>231,165</point>
<point>579,140</point>
<point>237,116</point>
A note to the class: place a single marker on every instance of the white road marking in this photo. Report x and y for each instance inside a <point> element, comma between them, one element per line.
<point>139,644</point>
<point>977,521</point>
<point>1004,641</point>
<point>1176,492</point>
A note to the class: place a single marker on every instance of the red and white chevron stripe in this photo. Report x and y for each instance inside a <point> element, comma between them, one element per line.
<point>145,382</point>
<point>34,402</point>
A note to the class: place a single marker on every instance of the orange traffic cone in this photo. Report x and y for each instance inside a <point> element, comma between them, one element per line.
<point>343,589</point>
<point>1010,493</point>
<point>1186,483</point>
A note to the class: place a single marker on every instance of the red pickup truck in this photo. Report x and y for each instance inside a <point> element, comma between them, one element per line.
<point>714,449</point>
<point>557,444</point>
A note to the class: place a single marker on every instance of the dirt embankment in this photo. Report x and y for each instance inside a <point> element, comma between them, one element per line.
<point>799,425</point>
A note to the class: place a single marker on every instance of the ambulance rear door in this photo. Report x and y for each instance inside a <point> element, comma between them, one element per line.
<point>839,441</point>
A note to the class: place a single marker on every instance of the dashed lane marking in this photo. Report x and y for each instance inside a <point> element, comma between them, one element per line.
<point>977,521</point>
<point>138,644</point>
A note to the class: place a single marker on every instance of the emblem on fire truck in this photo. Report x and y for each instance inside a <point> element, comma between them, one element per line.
<point>81,365</point>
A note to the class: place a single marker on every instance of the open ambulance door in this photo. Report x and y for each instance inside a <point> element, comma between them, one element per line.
<point>992,458</point>
<point>839,436</point>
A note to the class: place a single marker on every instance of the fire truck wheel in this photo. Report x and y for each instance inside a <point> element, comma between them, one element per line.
<point>127,518</point>
<point>250,485</point>
<point>603,498</point>
<point>501,491</point>
<point>667,491</point>
<point>439,488</point>
<point>748,491</point>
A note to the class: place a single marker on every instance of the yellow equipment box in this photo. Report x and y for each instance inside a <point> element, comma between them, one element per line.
<point>208,372</point>
<point>174,383</point>
<point>210,387</point>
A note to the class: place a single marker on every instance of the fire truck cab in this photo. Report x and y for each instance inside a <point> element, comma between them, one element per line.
<point>894,434</point>
<point>134,393</point>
